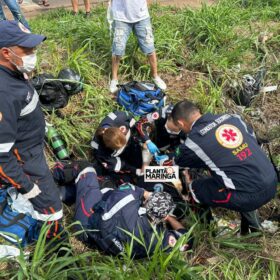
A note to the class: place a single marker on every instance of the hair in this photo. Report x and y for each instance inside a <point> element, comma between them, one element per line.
<point>184,110</point>
<point>112,137</point>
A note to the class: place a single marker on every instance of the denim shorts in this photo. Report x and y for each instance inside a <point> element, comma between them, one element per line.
<point>142,30</point>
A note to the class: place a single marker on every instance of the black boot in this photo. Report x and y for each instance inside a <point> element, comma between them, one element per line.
<point>65,172</point>
<point>250,222</point>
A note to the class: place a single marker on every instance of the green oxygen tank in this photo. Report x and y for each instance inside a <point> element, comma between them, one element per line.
<point>56,142</point>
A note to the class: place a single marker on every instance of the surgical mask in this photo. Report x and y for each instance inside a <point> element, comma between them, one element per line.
<point>28,62</point>
<point>170,131</point>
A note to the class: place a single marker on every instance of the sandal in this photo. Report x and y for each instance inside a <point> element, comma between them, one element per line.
<point>44,3</point>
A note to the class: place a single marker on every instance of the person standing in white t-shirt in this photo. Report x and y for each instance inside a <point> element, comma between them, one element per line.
<point>128,16</point>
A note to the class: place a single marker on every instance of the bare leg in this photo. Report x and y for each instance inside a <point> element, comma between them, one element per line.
<point>157,80</point>
<point>87,5</point>
<point>115,66</point>
<point>75,6</point>
<point>153,63</point>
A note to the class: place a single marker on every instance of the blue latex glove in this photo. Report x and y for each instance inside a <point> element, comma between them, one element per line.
<point>152,147</point>
<point>161,159</point>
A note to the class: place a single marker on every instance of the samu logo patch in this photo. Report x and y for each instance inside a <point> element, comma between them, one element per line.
<point>229,136</point>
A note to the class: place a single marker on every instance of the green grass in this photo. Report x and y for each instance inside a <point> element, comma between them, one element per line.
<point>218,44</point>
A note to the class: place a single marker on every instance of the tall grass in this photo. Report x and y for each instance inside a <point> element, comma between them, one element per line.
<point>221,42</point>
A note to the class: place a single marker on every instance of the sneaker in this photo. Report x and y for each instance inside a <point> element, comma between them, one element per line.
<point>87,15</point>
<point>114,86</point>
<point>159,83</point>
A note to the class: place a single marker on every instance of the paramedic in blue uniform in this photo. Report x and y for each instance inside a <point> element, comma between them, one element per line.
<point>22,125</point>
<point>111,216</point>
<point>242,177</point>
<point>159,127</point>
<point>119,147</point>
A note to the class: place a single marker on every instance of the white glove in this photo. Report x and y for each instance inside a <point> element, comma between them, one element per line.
<point>139,172</point>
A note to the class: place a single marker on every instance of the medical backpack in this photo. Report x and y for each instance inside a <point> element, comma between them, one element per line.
<point>140,98</point>
<point>15,227</point>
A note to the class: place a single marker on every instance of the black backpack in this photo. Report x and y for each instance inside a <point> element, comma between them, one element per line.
<point>51,92</point>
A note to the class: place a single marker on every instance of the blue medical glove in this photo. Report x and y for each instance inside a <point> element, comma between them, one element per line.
<point>152,147</point>
<point>161,159</point>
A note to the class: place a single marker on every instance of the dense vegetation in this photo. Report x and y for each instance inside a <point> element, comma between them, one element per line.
<point>203,55</point>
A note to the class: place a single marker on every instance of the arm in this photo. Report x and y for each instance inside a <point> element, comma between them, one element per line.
<point>185,157</point>
<point>104,156</point>
<point>115,164</point>
<point>143,127</point>
<point>112,164</point>
<point>174,223</point>
<point>10,170</point>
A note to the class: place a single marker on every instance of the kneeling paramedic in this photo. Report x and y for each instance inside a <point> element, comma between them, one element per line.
<point>113,218</point>
<point>118,147</point>
<point>159,127</point>
<point>242,177</point>
<point>22,126</point>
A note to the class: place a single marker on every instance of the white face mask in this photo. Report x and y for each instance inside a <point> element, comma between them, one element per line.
<point>170,131</point>
<point>28,62</point>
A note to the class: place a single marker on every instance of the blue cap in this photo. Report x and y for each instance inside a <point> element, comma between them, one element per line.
<point>14,33</point>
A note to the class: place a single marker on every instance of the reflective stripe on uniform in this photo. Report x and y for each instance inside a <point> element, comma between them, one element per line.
<point>201,154</point>
<point>117,207</point>
<point>112,116</point>
<point>193,194</point>
<point>33,192</point>
<point>30,107</point>
<point>47,217</point>
<point>118,165</point>
<point>94,144</point>
<point>105,190</point>
<point>84,171</point>
<point>6,147</point>
<point>132,122</point>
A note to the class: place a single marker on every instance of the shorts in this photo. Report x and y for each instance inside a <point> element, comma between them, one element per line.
<point>210,192</point>
<point>142,30</point>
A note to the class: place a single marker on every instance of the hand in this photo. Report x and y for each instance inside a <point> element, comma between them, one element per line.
<point>147,194</point>
<point>139,172</point>
<point>161,159</point>
<point>187,175</point>
<point>152,147</point>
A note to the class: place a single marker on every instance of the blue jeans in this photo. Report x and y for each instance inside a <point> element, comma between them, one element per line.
<point>15,10</point>
<point>142,30</point>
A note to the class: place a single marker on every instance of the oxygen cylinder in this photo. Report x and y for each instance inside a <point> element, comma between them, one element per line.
<point>56,142</point>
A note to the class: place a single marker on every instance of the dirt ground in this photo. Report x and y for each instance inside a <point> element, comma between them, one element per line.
<point>31,8</point>
<point>180,85</point>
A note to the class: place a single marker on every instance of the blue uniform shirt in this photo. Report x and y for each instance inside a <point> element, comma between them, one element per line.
<point>228,148</point>
<point>22,127</point>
